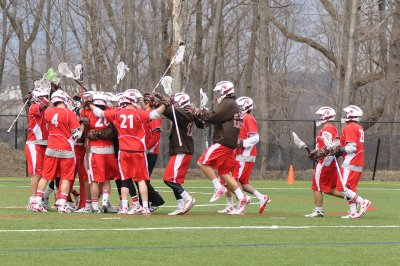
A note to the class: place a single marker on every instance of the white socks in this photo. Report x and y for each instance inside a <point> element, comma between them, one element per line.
<point>216,183</point>
<point>258,195</point>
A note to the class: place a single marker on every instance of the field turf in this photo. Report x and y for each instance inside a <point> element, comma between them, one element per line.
<point>280,236</point>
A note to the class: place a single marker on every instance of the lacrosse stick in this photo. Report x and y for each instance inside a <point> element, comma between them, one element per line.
<point>166,83</point>
<point>66,72</point>
<point>121,67</point>
<point>203,102</point>
<point>299,143</point>
<point>175,60</point>
<point>20,112</point>
<point>327,137</point>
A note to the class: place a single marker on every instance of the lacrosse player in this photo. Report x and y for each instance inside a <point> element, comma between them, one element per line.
<point>101,159</point>
<point>64,129</point>
<point>351,147</point>
<point>180,156</point>
<point>36,142</point>
<point>246,152</point>
<point>130,122</point>
<point>227,120</point>
<point>325,173</point>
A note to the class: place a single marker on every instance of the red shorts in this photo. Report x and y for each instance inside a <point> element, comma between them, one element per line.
<point>325,178</point>
<point>219,157</point>
<point>80,163</point>
<point>34,156</point>
<point>177,167</point>
<point>102,167</point>
<point>242,172</point>
<point>133,165</point>
<point>53,165</point>
<point>350,179</point>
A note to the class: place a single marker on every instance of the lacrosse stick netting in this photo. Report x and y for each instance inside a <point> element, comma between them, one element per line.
<point>121,68</point>
<point>299,143</point>
<point>203,103</point>
<point>64,70</point>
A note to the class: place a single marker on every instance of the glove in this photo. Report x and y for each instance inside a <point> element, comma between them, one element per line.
<point>164,99</point>
<point>93,134</point>
<point>321,154</point>
<point>28,97</point>
<point>335,150</point>
<point>312,154</point>
<point>43,103</point>
<point>84,120</point>
<point>151,100</point>
<point>239,143</point>
<point>192,110</point>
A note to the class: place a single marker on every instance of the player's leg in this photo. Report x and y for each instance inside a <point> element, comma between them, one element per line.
<point>177,190</point>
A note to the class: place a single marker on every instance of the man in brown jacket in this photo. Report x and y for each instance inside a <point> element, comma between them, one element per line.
<point>226,118</point>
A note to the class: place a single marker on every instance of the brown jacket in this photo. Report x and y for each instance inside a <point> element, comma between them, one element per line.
<point>227,120</point>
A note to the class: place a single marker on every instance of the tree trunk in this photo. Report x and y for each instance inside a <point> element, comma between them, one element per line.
<point>248,74</point>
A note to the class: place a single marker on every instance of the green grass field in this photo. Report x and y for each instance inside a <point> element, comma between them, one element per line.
<point>281,236</point>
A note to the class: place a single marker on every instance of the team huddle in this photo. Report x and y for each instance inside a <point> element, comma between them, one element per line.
<point>103,137</point>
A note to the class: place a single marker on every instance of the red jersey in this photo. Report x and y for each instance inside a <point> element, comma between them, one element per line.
<point>98,124</point>
<point>353,132</point>
<point>37,130</point>
<point>248,127</point>
<point>153,138</point>
<point>61,122</point>
<point>328,127</point>
<point>130,124</point>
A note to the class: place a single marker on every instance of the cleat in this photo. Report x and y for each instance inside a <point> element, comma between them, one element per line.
<point>314,214</point>
<point>104,208</point>
<point>111,209</point>
<point>227,210</point>
<point>123,211</point>
<point>218,193</point>
<point>153,208</point>
<point>263,203</point>
<point>146,211</point>
<point>64,209</point>
<point>46,204</point>
<point>189,204</point>
<point>177,212</point>
<point>38,207</point>
<point>136,210</point>
<point>242,205</point>
<point>84,210</point>
<point>351,215</point>
<point>364,207</point>
<point>57,203</point>
<point>31,206</point>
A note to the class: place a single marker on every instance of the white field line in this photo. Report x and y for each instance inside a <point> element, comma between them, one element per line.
<point>259,188</point>
<point>273,227</point>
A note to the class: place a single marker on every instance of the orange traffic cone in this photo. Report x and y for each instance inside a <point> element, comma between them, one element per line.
<point>290,177</point>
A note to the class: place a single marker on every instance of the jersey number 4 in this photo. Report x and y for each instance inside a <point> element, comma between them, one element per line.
<point>54,120</point>
<point>127,119</point>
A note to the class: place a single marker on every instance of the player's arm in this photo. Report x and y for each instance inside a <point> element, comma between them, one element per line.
<point>155,137</point>
<point>252,140</point>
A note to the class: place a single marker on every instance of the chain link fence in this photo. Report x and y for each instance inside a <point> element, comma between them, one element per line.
<point>382,143</point>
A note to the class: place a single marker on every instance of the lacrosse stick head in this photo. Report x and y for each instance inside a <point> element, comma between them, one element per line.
<point>64,70</point>
<point>297,141</point>
<point>79,72</point>
<point>51,76</point>
<point>166,82</point>
<point>178,58</point>
<point>327,138</point>
<point>203,99</point>
<point>121,68</point>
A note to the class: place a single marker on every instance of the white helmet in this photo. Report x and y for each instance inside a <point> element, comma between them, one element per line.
<point>182,99</point>
<point>99,99</point>
<point>224,88</point>
<point>59,96</point>
<point>131,95</point>
<point>122,100</point>
<point>111,98</point>
<point>39,93</point>
<point>324,114</point>
<point>245,103</point>
<point>352,113</point>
